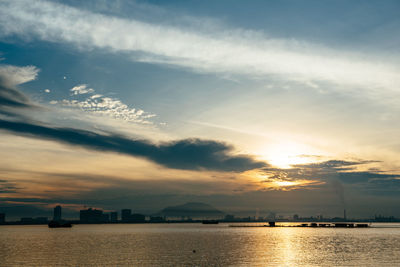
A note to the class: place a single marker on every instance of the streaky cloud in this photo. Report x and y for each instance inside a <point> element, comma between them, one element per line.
<point>188,154</point>
<point>234,51</point>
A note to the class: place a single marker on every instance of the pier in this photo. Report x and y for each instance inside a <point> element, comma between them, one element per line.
<point>310,225</point>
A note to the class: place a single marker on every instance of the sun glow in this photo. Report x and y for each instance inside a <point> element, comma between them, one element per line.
<point>290,185</point>
<point>285,154</point>
<point>271,182</point>
<point>286,183</point>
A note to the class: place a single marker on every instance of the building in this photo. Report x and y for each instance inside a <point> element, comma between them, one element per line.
<point>27,220</point>
<point>2,218</point>
<point>156,219</point>
<point>57,213</point>
<point>128,217</point>
<point>93,216</point>
<point>41,220</point>
<point>229,218</point>
<point>138,218</point>
<point>125,215</point>
<point>114,217</point>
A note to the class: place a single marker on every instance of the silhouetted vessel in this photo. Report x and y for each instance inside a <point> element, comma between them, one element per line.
<point>210,222</point>
<point>54,224</point>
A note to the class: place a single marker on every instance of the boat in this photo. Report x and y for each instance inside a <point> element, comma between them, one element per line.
<point>55,224</point>
<point>210,222</point>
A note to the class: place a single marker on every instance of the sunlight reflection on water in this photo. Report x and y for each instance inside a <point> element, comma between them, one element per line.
<point>214,245</point>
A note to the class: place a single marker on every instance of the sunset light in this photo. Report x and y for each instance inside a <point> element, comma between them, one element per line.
<point>285,154</point>
<point>134,122</point>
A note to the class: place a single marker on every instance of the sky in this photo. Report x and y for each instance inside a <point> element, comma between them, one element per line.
<point>280,106</point>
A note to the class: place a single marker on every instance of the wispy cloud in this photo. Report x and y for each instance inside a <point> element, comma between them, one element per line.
<point>104,106</point>
<point>10,77</point>
<point>226,51</point>
<point>81,89</point>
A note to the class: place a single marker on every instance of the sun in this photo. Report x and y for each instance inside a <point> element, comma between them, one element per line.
<point>286,154</point>
<point>286,183</point>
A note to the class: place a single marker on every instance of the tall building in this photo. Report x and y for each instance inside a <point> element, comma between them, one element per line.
<point>114,216</point>
<point>2,218</point>
<point>57,213</point>
<point>126,215</point>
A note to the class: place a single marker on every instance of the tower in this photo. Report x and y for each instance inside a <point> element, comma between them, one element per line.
<point>57,213</point>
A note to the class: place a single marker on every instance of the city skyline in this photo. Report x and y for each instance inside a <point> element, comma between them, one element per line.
<point>186,213</point>
<point>284,106</point>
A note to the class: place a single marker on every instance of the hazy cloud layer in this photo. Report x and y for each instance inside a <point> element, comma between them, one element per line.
<point>7,187</point>
<point>231,51</point>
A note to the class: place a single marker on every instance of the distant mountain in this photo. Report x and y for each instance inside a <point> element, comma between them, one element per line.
<point>191,209</point>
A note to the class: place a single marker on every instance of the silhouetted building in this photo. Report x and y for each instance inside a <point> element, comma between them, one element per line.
<point>114,216</point>
<point>125,215</point>
<point>2,218</point>
<point>106,217</point>
<point>157,219</point>
<point>93,216</point>
<point>27,220</point>
<point>41,220</point>
<point>271,216</point>
<point>137,218</point>
<point>229,218</point>
<point>57,213</point>
<point>380,218</point>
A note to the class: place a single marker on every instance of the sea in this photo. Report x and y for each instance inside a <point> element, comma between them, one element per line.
<point>187,244</point>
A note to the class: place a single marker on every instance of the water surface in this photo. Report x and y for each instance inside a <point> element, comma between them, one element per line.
<point>214,245</point>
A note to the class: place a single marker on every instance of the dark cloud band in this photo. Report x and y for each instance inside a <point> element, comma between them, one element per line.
<point>190,154</point>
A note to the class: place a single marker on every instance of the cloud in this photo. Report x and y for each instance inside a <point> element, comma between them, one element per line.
<point>190,154</point>
<point>336,173</point>
<point>225,51</point>
<point>104,106</point>
<point>10,77</point>
<point>13,75</point>
<point>81,89</point>
<point>7,187</point>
